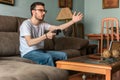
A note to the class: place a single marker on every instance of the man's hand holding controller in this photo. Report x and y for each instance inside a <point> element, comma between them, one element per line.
<point>57,31</point>
<point>51,34</point>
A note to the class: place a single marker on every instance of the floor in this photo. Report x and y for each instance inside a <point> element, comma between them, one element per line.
<point>88,77</point>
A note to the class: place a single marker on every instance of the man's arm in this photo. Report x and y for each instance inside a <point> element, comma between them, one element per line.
<point>33,41</point>
<point>75,18</point>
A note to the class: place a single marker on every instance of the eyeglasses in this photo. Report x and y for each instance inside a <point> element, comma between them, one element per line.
<point>41,10</point>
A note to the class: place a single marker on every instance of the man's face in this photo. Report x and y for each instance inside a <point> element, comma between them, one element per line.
<point>39,12</point>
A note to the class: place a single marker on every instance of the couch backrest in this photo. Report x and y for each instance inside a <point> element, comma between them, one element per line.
<point>63,43</point>
<point>8,24</point>
<point>9,35</point>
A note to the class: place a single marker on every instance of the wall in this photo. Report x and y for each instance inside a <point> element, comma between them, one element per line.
<point>21,9</point>
<point>94,13</point>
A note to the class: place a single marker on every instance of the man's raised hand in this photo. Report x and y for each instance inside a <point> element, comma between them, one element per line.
<point>77,17</point>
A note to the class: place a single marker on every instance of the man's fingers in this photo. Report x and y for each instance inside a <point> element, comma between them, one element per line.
<point>78,13</point>
<point>74,13</point>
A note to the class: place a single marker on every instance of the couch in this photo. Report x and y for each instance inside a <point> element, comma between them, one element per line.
<point>13,67</point>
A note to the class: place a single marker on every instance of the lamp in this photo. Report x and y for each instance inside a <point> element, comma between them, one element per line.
<point>66,14</point>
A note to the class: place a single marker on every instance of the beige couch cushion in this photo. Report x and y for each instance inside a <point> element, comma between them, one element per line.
<point>9,43</point>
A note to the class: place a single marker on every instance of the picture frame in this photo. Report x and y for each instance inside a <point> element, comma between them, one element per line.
<point>107,4</point>
<point>69,3</point>
<point>9,2</point>
<point>65,3</point>
<point>61,3</point>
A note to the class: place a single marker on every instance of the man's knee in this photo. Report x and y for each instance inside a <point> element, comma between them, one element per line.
<point>63,55</point>
<point>47,56</point>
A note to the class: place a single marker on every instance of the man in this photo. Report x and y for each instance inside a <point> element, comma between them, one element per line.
<point>32,36</point>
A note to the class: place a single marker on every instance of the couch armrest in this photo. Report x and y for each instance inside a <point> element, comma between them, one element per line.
<point>70,43</point>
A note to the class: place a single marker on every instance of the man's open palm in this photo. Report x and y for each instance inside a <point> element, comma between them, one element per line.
<point>77,17</point>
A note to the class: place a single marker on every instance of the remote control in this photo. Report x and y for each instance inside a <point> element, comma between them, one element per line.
<point>57,31</point>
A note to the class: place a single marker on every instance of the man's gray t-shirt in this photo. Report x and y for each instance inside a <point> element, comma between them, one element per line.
<point>27,28</point>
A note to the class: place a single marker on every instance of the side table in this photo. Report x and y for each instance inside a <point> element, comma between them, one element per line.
<point>89,65</point>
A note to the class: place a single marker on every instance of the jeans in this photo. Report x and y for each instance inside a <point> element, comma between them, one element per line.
<point>45,57</point>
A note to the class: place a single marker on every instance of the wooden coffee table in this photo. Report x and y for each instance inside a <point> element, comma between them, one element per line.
<point>90,65</point>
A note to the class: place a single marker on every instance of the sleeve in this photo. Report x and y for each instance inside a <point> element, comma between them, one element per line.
<point>47,26</point>
<point>25,29</point>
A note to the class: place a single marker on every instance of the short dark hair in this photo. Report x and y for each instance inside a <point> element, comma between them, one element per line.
<point>32,7</point>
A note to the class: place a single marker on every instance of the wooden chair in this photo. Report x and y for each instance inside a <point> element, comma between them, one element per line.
<point>109,32</point>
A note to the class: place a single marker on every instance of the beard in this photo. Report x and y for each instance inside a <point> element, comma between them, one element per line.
<point>39,18</point>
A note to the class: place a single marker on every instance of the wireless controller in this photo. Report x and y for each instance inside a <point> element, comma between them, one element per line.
<point>57,31</point>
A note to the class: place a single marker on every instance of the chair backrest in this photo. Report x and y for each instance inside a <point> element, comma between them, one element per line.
<point>109,31</point>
